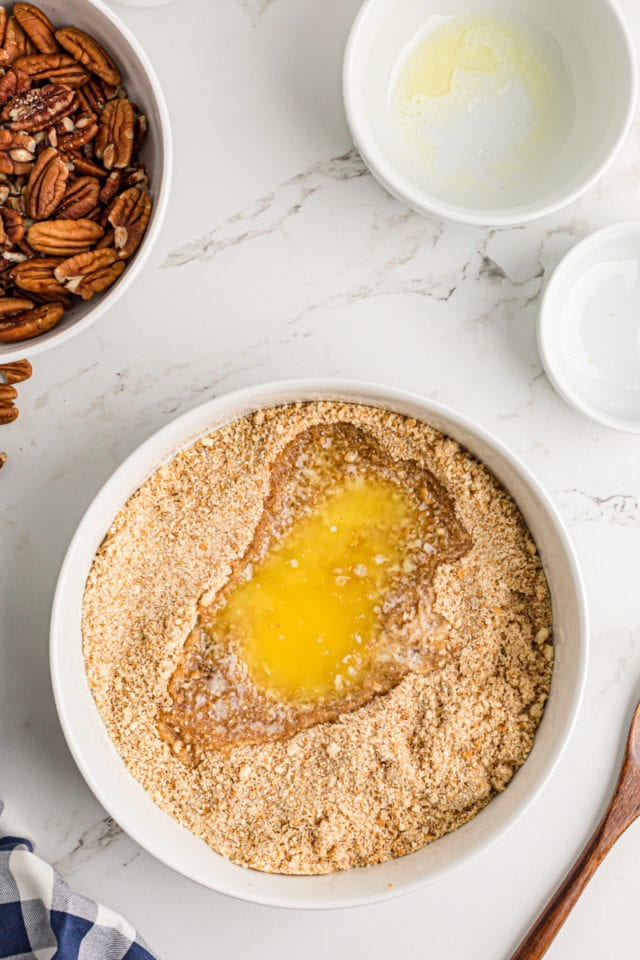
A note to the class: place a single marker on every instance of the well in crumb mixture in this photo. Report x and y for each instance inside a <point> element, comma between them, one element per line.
<point>361,752</point>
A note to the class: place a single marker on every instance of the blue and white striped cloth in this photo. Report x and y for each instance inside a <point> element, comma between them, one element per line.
<point>42,919</point>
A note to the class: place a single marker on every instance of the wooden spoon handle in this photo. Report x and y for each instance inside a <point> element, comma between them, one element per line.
<point>623,810</point>
<point>545,929</point>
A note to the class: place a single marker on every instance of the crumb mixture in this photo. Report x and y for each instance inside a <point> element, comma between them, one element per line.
<point>412,763</point>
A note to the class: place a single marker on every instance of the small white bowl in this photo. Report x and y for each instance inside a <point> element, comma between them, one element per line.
<point>143,87</point>
<point>162,836</point>
<point>590,46</point>
<point>589,327</point>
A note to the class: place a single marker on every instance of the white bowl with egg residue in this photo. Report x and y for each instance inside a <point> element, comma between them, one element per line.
<point>132,807</point>
<point>489,112</point>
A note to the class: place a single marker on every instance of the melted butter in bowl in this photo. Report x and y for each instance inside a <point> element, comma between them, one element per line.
<point>331,604</point>
<point>480,102</point>
<point>306,619</point>
<point>494,112</point>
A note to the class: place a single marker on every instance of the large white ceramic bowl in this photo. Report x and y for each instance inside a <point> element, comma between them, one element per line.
<point>162,836</point>
<point>590,44</point>
<point>143,87</point>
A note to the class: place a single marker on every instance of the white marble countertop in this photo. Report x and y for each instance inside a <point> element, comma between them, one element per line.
<point>282,257</point>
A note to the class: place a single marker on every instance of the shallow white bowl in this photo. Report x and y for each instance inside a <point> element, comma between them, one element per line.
<point>591,40</point>
<point>131,806</point>
<point>143,87</point>
<point>589,327</point>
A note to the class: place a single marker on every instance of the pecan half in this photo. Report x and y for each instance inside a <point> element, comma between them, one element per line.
<point>90,53</point>
<point>7,393</point>
<point>47,184</point>
<point>129,217</point>
<point>22,245</point>
<point>57,67</point>
<point>16,372</point>
<point>89,273</point>
<point>80,199</point>
<point>16,43</point>
<point>111,186</point>
<point>63,238</point>
<point>11,226</point>
<point>8,415</point>
<point>36,276</point>
<point>17,203</point>
<point>95,93</point>
<point>64,299</point>
<point>136,176</point>
<point>114,143</point>
<point>38,108</point>
<point>16,152</point>
<point>37,27</point>
<point>14,82</point>
<point>142,127</point>
<point>3,24</point>
<point>13,305</point>
<point>31,323</point>
<point>83,165</point>
<point>77,131</point>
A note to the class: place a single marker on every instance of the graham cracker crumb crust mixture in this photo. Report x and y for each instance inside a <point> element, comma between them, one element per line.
<point>418,693</point>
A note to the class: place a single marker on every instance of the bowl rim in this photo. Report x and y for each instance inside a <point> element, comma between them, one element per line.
<point>30,348</point>
<point>423,202</point>
<point>248,399</point>
<point>549,313</point>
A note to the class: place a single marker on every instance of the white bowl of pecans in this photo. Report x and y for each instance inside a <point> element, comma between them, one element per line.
<point>85,167</point>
